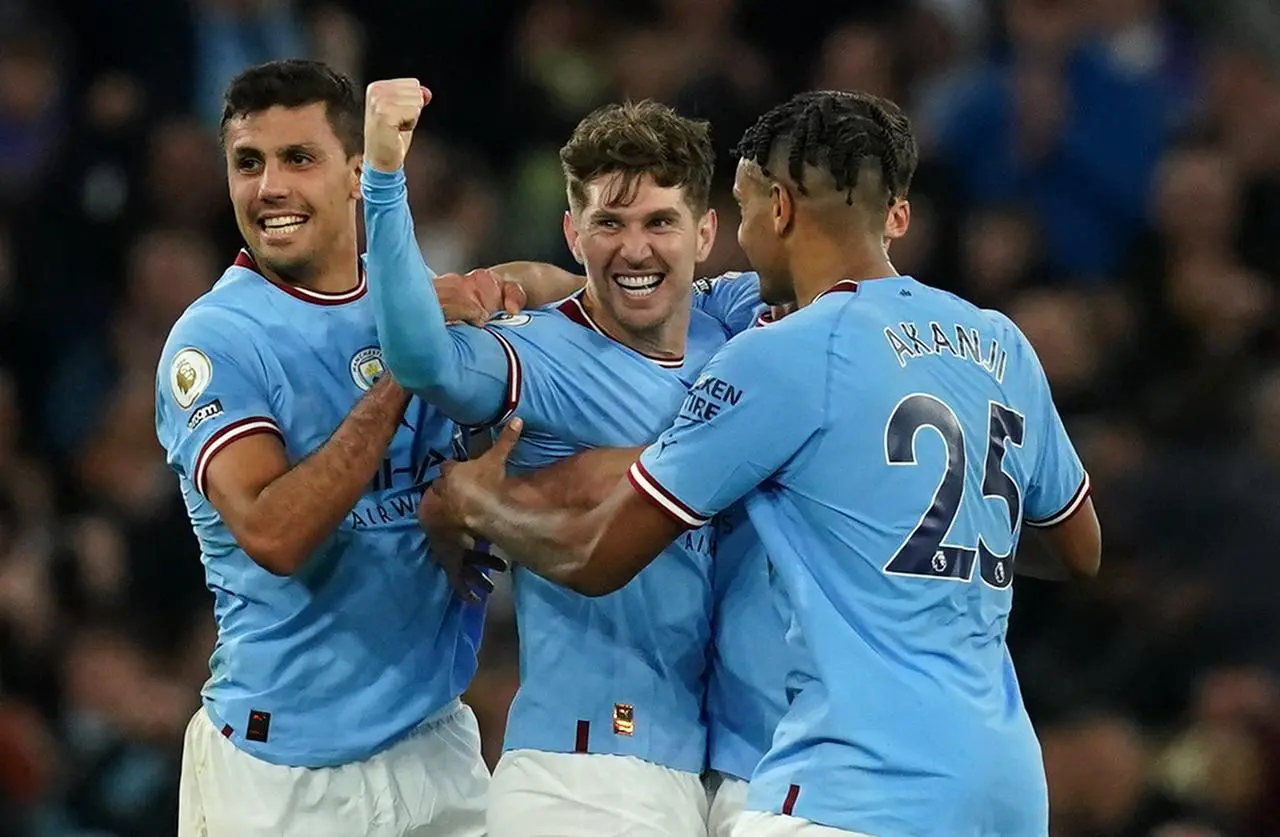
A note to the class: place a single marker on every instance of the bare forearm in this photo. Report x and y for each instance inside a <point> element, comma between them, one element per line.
<point>553,542</point>
<point>543,283</point>
<point>302,507</point>
<point>540,519</point>
<point>580,482</point>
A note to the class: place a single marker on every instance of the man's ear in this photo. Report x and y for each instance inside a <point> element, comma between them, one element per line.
<point>571,237</point>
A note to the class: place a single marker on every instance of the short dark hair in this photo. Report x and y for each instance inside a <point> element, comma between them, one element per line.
<point>838,132</point>
<point>296,83</point>
<point>635,139</point>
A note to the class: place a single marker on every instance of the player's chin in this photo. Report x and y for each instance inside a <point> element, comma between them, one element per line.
<point>649,299</point>
<point>646,318</point>
<point>275,243</point>
<point>646,309</point>
<point>284,258</point>
<point>776,292</point>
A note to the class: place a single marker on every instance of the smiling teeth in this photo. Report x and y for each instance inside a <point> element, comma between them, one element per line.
<point>283,224</point>
<point>639,283</point>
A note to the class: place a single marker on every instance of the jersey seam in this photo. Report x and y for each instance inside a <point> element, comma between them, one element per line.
<point>1068,509</point>
<point>238,429</point>
<point>513,385</point>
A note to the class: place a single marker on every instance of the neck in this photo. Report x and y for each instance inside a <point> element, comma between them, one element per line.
<point>664,340</point>
<point>818,264</point>
<point>335,272</point>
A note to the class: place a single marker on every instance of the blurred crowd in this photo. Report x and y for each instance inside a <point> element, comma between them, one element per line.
<point>1107,172</point>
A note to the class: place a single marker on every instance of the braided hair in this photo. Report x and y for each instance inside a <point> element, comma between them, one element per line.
<point>839,132</point>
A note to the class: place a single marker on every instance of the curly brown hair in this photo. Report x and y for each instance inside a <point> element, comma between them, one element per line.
<point>635,139</point>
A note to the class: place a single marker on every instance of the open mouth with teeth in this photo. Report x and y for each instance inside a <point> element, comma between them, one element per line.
<point>281,225</point>
<point>638,285</point>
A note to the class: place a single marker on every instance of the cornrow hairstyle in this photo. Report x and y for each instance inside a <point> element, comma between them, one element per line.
<point>838,132</point>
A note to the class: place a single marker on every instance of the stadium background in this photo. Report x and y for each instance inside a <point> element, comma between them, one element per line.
<point>1105,171</point>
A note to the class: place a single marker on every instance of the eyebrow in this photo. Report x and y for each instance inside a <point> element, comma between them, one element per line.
<point>243,151</point>
<point>655,215</point>
<point>304,147</point>
<point>663,214</point>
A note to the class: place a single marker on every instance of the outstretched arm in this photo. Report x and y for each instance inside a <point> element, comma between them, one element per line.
<point>462,370</point>
<point>543,284</point>
<point>583,481</point>
<point>707,460</point>
<point>732,299</point>
<point>578,523</point>
<point>580,482</point>
<point>474,297</point>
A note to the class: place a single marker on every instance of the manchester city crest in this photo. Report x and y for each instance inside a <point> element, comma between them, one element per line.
<point>367,367</point>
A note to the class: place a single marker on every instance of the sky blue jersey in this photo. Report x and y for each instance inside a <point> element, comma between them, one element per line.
<point>892,441</point>
<point>621,674</point>
<point>750,658</point>
<point>341,659</point>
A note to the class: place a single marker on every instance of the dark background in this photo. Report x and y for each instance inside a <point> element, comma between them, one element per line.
<point>1107,172</point>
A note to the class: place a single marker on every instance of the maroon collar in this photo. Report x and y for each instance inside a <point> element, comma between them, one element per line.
<point>843,286</point>
<point>576,311</point>
<point>245,259</point>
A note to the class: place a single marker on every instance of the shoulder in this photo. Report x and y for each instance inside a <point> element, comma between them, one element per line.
<point>544,327</point>
<point>735,279</point>
<point>703,325</point>
<point>987,319</point>
<point>241,299</point>
<point>537,326</point>
<point>535,340</point>
<point>1010,336</point>
<point>833,310</point>
<point>523,319</point>
<point>1002,322</point>
<point>210,333</point>
<point>781,349</point>
<point>219,321</point>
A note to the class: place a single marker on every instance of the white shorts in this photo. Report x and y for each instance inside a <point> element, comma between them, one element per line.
<point>757,824</point>
<point>431,782</point>
<point>537,794</point>
<point>728,801</point>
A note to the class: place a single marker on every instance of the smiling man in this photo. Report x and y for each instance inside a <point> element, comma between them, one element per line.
<point>891,443</point>
<point>341,647</point>
<point>606,733</point>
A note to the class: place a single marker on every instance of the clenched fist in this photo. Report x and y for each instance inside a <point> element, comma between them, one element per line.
<point>391,110</point>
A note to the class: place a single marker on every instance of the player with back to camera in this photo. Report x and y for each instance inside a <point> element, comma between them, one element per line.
<point>341,648</point>
<point>891,441</point>
<point>605,735</point>
<point>748,660</point>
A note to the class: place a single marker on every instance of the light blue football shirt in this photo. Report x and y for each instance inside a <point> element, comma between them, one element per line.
<point>891,441</point>
<point>366,640</point>
<point>750,658</point>
<point>623,674</point>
